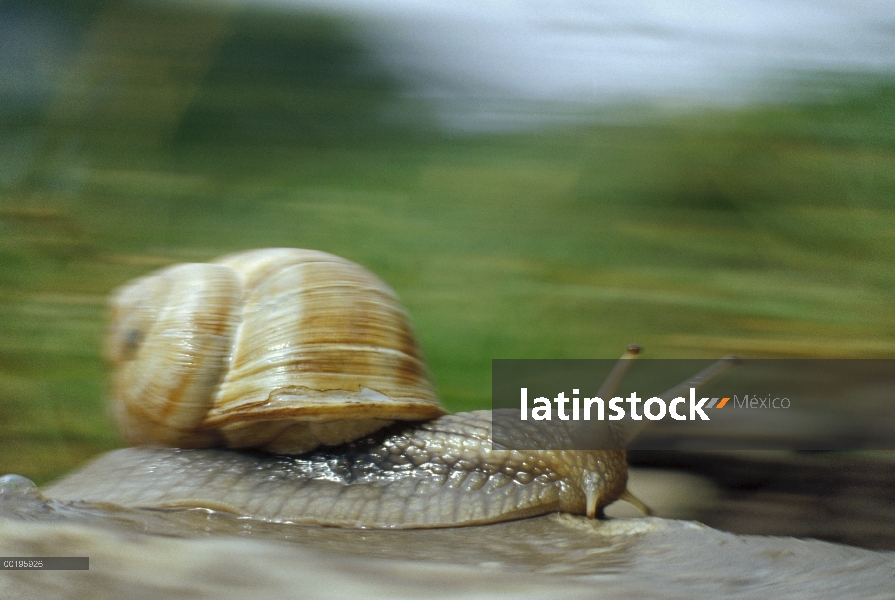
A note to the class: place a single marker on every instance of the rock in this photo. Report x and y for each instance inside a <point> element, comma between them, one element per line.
<point>197,553</point>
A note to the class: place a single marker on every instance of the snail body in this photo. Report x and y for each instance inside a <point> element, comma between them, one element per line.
<point>440,473</point>
<point>288,385</point>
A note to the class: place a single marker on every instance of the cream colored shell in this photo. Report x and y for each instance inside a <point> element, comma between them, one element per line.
<point>281,349</point>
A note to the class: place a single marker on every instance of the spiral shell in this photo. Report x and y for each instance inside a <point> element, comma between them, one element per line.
<point>281,349</point>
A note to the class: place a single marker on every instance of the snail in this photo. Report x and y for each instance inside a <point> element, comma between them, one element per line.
<point>288,385</point>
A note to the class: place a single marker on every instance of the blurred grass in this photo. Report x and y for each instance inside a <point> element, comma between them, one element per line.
<point>766,231</point>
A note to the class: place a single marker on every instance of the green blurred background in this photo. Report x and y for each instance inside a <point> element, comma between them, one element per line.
<point>160,133</point>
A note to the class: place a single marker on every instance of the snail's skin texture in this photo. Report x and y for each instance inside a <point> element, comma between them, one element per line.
<point>441,473</point>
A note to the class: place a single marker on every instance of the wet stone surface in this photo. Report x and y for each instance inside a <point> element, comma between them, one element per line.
<point>204,553</point>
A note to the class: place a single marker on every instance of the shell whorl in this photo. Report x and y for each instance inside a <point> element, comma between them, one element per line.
<point>281,349</point>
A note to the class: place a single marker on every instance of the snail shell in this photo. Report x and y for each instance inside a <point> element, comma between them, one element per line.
<point>280,349</point>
